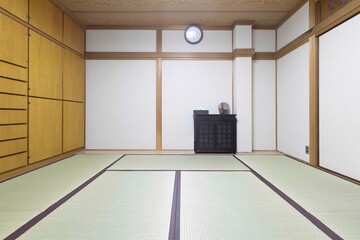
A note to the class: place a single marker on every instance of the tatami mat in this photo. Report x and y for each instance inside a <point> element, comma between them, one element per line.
<point>23,197</point>
<point>178,162</point>
<point>236,205</point>
<point>117,205</point>
<point>334,201</point>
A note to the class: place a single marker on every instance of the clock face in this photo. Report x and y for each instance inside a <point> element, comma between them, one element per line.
<point>193,34</point>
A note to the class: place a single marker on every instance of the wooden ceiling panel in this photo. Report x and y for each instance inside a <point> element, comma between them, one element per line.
<point>180,5</point>
<point>157,13</point>
<point>205,19</point>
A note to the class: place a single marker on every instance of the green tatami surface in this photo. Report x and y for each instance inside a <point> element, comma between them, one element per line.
<point>178,162</point>
<point>117,205</point>
<point>236,205</point>
<point>334,201</point>
<point>24,197</point>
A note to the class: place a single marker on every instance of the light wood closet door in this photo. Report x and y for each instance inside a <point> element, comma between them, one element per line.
<point>45,129</point>
<point>74,125</point>
<point>46,17</point>
<point>74,77</point>
<point>17,7</point>
<point>74,35</point>
<point>45,68</point>
<point>13,41</point>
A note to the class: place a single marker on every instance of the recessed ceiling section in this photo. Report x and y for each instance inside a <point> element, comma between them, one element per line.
<point>160,13</point>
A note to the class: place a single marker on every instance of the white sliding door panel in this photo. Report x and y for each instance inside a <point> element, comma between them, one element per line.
<point>339,98</point>
<point>293,102</point>
<point>120,104</point>
<point>190,85</point>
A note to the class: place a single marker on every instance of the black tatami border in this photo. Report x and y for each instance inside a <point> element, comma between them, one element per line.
<point>314,220</point>
<point>174,231</point>
<point>24,228</point>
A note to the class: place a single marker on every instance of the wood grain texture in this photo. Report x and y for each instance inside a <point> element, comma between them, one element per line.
<point>8,101</point>
<point>46,17</point>
<point>13,146</point>
<point>73,77</point>
<point>13,131</point>
<point>314,100</point>
<point>12,86</point>
<point>45,129</point>
<point>74,126</point>
<point>45,68</point>
<point>179,5</point>
<point>264,56</point>
<point>205,19</point>
<point>13,116</point>
<point>13,162</point>
<point>11,71</point>
<point>156,55</point>
<point>74,35</point>
<point>17,7</point>
<point>13,41</point>
<point>159,104</point>
<point>341,15</point>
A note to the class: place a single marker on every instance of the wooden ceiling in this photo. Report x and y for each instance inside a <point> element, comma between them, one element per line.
<point>171,13</point>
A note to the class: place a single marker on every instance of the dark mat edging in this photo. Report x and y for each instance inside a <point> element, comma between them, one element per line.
<point>24,228</point>
<point>314,220</point>
<point>174,231</point>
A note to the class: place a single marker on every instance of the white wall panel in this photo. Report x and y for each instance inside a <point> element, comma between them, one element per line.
<point>264,125</point>
<point>264,40</point>
<point>120,40</point>
<point>190,85</point>
<point>339,112</point>
<point>243,102</point>
<point>242,37</point>
<point>120,104</point>
<point>296,25</point>
<point>293,102</point>
<point>213,41</point>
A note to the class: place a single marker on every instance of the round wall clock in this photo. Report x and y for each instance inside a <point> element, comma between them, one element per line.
<point>193,34</point>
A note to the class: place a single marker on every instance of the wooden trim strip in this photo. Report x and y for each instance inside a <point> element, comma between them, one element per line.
<point>304,38</point>
<point>264,56</point>
<point>346,12</point>
<point>312,13</point>
<point>158,41</point>
<point>165,27</point>
<point>159,104</point>
<point>174,55</point>
<point>156,55</point>
<point>243,53</point>
<point>314,100</point>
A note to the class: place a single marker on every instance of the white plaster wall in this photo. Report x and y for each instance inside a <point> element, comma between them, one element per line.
<point>213,41</point>
<point>242,37</point>
<point>296,25</point>
<point>293,102</point>
<point>187,86</point>
<point>264,119</point>
<point>120,104</point>
<point>339,114</point>
<point>120,40</point>
<point>243,102</point>
<point>264,40</point>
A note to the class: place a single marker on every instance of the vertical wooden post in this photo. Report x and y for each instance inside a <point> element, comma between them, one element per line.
<point>314,100</point>
<point>159,92</point>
